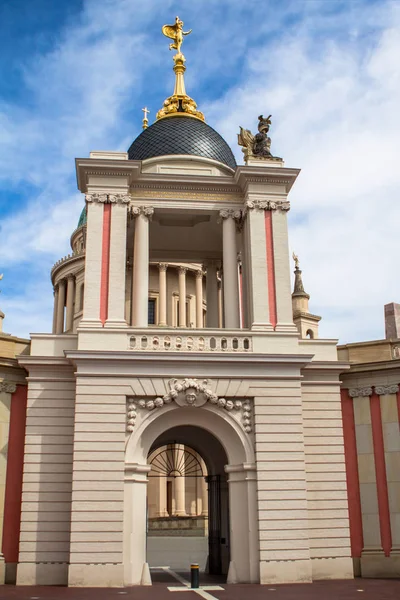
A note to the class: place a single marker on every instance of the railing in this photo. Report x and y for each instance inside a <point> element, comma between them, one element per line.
<point>182,342</point>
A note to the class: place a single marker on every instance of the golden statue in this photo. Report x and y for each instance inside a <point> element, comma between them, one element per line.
<point>179,104</point>
<point>176,33</point>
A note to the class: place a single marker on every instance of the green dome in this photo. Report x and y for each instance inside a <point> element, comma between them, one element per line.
<point>82,218</point>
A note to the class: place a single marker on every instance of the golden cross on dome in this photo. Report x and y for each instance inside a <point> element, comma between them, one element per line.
<point>145,119</point>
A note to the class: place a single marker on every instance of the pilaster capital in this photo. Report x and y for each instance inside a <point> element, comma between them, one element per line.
<point>383,390</point>
<point>163,267</point>
<point>108,198</point>
<point>183,270</point>
<point>70,277</point>
<point>146,211</point>
<point>7,387</point>
<point>358,392</point>
<point>282,205</point>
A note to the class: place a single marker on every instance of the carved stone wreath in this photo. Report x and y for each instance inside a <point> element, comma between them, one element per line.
<point>108,198</point>
<point>189,392</point>
<point>283,205</point>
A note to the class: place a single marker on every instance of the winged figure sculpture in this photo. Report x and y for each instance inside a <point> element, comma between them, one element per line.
<point>175,32</point>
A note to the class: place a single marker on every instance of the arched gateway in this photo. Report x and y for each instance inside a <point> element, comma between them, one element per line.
<point>174,323</point>
<point>205,428</point>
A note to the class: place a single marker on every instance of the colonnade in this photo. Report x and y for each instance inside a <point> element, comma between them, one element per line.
<point>140,279</point>
<point>64,297</point>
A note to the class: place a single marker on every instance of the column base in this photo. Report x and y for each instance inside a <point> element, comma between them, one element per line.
<point>11,573</point>
<point>116,324</point>
<point>286,571</point>
<point>42,574</point>
<point>377,565</point>
<point>287,327</point>
<point>261,327</point>
<point>90,324</point>
<point>332,568</point>
<point>101,575</point>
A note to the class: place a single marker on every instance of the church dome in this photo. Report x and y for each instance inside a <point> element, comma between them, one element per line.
<point>82,218</point>
<point>181,135</point>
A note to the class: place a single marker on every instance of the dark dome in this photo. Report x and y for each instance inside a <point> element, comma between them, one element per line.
<point>181,135</point>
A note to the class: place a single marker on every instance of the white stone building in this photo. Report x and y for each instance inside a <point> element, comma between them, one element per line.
<point>173,324</point>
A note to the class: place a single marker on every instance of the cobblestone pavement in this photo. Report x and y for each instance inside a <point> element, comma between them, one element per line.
<point>361,589</point>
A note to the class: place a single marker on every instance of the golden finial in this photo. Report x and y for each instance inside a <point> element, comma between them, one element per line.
<point>145,119</point>
<point>179,104</point>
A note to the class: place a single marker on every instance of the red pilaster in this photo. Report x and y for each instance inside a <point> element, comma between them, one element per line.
<point>380,471</point>
<point>15,466</point>
<point>353,484</point>
<point>105,263</point>
<point>270,269</point>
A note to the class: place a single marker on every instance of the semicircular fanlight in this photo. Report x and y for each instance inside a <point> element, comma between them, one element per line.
<point>175,462</point>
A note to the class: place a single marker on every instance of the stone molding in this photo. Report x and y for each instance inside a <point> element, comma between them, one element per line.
<point>383,390</point>
<point>282,205</point>
<point>108,198</point>
<point>358,392</point>
<point>146,211</point>
<point>189,392</point>
<point>8,388</point>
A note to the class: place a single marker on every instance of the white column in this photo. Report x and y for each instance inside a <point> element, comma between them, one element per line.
<point>55,309</point>
<point>199,299</point>
<point>70,303</point>
<point>245,555</point>
<point>117,274</point>
<point>60,306</point>
<point>220,286</point>
<point>257,279</point>
<point>162,311</point>
<point>135,492</point>
<point>182,296</point>
<point>140,282</point>
<point>231,287</point>
<point>212,295</point>
<point>93,258</point>
<point>179,482</point>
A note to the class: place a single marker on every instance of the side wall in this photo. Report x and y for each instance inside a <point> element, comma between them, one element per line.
<point>47,479</point>
<point>373,401</point>
<point>328,516</point>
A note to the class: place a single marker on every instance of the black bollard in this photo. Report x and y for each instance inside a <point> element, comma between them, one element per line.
<point>194,576</point>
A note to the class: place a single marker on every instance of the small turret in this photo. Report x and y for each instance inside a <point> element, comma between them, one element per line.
<point>306,323</point>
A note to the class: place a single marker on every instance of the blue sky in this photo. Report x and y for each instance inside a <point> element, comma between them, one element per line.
<point>75,75</point>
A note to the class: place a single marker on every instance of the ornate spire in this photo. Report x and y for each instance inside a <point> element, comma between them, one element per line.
<point>179,103</point>
<point>298,281</point>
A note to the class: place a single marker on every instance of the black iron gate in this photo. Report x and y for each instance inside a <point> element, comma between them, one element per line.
<point>214,524</point>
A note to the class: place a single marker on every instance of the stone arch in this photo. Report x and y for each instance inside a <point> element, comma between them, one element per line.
<point>241,472</point>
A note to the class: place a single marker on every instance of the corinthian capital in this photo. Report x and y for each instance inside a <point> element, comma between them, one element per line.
<point>383,390</point>
<point>146,211</point>
<point>283,205</point>
<point>358,392</point>
<point>8,388</point>
<point>108,198</point>
<point>163,266</point>
<point>230,214</point>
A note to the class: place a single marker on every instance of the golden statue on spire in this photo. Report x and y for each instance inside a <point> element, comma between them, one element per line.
<point>176,33</point>
<point>179,104</point>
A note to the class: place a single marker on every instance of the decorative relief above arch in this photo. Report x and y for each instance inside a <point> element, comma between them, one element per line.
<point>189,392</point>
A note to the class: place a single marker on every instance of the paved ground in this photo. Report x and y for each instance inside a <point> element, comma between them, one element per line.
<point>360,589</point>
